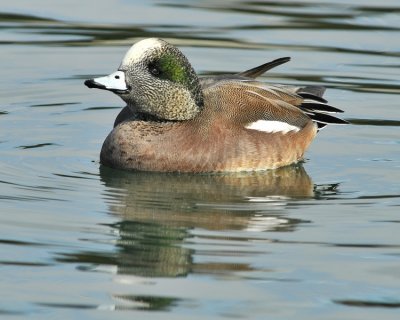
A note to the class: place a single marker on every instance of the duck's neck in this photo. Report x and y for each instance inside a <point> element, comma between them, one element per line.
<point>126,114</point>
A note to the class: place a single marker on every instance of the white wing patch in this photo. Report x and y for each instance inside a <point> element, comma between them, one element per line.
<point>272,126</point>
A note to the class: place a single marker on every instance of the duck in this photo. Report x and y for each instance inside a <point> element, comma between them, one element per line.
<point>177,121</point>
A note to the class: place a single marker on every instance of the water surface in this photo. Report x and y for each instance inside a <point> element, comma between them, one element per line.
<point>318,240</point>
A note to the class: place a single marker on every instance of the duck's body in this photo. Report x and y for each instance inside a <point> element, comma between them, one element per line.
<point>221,124</point>
<point>215,140</point>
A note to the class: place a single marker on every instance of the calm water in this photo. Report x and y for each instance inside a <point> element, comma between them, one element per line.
<point>319,240</point>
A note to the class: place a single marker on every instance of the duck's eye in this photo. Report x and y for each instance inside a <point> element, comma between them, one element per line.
<point>116,77</point>
<point>154,70</point>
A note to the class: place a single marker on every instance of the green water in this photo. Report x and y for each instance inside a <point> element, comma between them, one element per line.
<point>319,240</point>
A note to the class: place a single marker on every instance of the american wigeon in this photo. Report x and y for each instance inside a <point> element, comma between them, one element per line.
<point>175,121</point>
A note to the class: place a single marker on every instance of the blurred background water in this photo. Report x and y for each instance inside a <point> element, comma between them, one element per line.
<point>319,240</point>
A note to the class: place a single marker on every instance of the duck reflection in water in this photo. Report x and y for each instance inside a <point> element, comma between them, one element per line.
<point>159,211</point>
<point>165,220</point>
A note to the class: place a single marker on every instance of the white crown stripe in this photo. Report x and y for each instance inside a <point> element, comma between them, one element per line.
<point>139,50</point>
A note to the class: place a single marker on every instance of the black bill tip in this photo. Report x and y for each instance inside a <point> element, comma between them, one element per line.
<point>93,84</point>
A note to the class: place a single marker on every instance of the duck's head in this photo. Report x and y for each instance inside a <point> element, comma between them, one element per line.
<point>155,78</point>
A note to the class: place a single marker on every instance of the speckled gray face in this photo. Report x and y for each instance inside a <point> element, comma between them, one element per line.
<point>158,80</point>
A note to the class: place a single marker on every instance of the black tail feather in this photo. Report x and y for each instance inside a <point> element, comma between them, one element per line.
<point>258,71</point>
<point>307,95</point>
<point>317,108</point>
<point>326,118</point>
<point>312,106</point>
